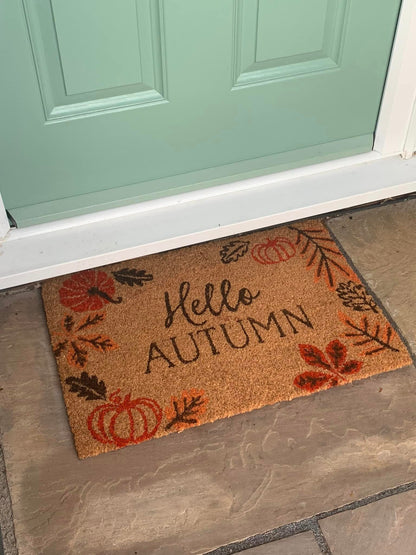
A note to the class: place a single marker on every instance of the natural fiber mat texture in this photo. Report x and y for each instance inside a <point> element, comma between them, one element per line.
<point>161,343</point>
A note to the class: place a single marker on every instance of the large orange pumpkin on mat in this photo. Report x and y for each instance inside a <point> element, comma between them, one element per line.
<point>125,421</point>
<point>273,251</point>
<point>88,290</point>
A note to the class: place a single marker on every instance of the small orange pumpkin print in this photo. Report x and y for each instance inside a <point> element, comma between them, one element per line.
<point>273,251</point>
<point>88,290</point>
<point>125,421</point>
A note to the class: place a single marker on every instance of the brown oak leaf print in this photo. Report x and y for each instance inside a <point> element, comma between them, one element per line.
<point>354,295</point>
<point>76,340</point>
<point>185,411</point>
<point>87,386</point>
<point>233,251</point>
<point>335,368</point>
<point>322,254</point>
<point>132,276</point>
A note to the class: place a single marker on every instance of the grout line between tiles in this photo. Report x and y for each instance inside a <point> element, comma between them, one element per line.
<point>7,535</point>
<point>307,524</point>
<point>320,538</point>
<point>368,500</point>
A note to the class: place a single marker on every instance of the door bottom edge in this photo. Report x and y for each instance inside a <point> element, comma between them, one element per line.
<point>205,182</point>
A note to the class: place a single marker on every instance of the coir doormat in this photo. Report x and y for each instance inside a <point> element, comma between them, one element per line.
<point>161,343</point>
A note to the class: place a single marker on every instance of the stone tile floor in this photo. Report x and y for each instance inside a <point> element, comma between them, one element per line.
<point>331,473</point>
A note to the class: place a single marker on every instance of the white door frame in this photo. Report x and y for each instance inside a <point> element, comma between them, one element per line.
<point>410,143</point>
<point>55,248</point>
<point>395,118</point>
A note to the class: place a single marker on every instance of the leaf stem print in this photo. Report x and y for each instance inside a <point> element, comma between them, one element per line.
<point>91,321</point>
<point>365,334</point>
<point>68,322</point>
<point>98,342</point>
<point>184,415</point>
<point>319,251</point>
<point>77,356</point>
<point>59,347</point>
<point>185,411</point>
<point>76,344</point>
<point>354,295</point>
<point>95,291</point>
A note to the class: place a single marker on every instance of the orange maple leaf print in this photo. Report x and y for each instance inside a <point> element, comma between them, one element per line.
<point>334,366</point>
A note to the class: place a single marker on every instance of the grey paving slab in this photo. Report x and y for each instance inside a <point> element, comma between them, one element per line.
<point>386,527</point>
<point>301,544</point>
<point>382,243</point>
<point>192,492</point>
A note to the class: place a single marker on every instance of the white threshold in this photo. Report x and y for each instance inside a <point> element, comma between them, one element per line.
<point>56,248</point>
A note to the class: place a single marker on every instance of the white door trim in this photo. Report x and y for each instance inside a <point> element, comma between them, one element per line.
<point>30,256</point>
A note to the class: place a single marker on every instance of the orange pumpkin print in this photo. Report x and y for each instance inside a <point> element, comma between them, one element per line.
<point>123,422</point>
<point>88,290</point>
<point>273,251</point>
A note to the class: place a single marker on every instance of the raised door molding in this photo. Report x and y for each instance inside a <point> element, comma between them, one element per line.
<point>259,56</point>
<point>80,73</point>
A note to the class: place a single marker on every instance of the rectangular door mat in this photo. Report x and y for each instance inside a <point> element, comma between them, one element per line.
<point>161,343</point>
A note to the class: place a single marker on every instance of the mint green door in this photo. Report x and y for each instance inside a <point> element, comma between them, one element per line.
<point>106,102</point>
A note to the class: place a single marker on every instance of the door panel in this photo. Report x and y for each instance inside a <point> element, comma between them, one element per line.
<point>266,51</point>
<point>99,58</point>
<point>93,56</point>
<point>113,101</point>
<point>272,38</point>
